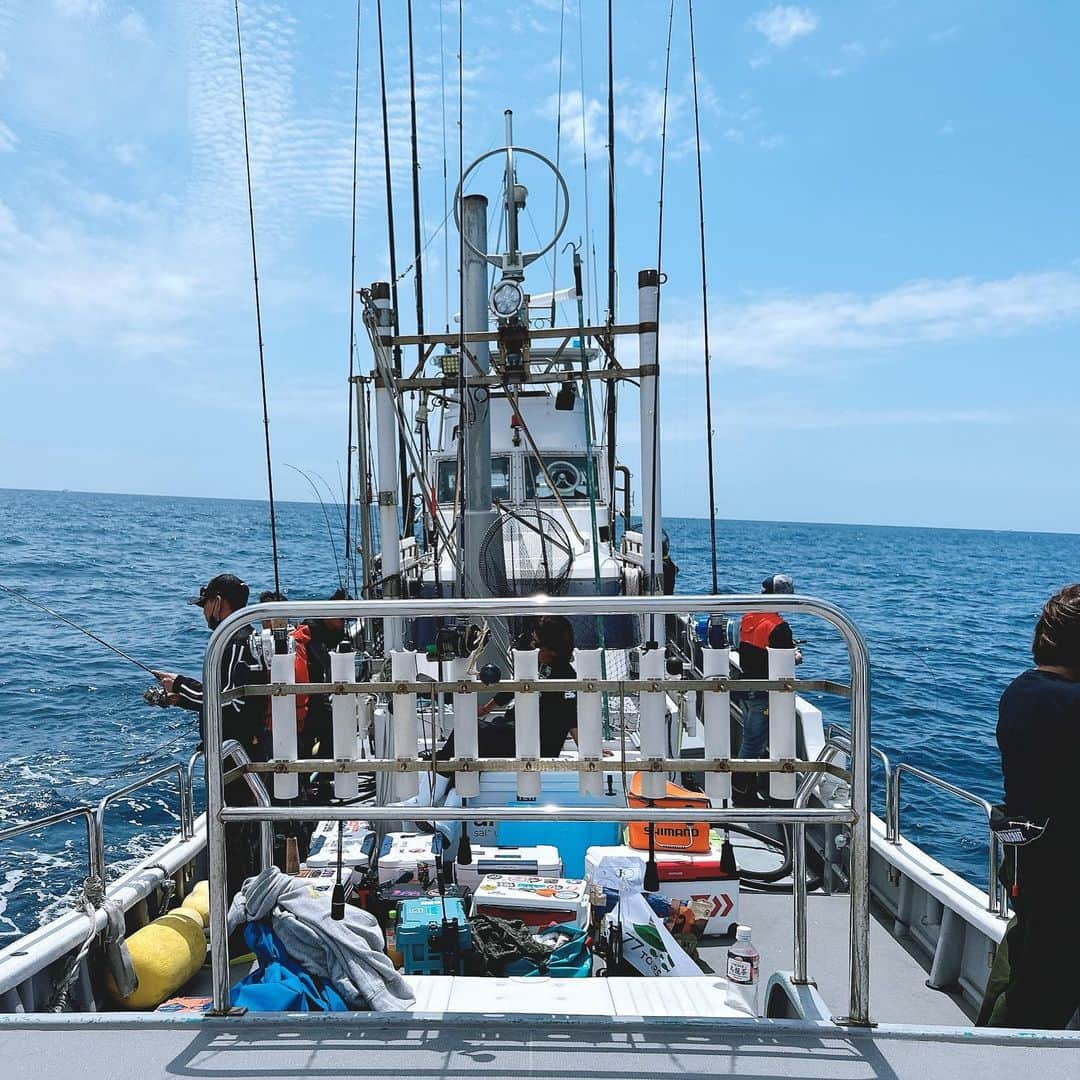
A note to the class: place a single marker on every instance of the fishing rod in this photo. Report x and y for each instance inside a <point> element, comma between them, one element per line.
<point>76,626</point>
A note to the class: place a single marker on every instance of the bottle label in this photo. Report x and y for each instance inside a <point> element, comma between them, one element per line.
<point>742,969</point>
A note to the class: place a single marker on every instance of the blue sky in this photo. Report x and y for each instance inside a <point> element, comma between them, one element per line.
<point>892,227</point>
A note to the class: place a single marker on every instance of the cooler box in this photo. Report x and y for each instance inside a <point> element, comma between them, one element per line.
<point>357,849</point>
<point>542,861</point>
<point>418,922</point>
<point>536,901</point>
<point>401,855</point>
<point>686,878</point>
<point>561,788</point>
<point>691,836</point>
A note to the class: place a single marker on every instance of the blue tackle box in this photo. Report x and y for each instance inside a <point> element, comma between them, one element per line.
<point>421,920</point>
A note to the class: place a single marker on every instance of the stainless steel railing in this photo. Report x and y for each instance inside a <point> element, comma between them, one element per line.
<point>856,815</point>
<point>182,786</point>
<point>95,867</point>
<point>996,900</point>
<point>836,735</point>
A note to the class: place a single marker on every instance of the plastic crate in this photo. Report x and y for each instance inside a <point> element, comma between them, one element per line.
<point>418,920</point>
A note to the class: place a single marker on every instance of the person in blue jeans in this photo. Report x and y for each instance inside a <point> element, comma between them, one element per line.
<point>760,631</point>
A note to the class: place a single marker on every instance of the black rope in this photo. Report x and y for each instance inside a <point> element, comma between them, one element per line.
<point>403,473</point>
<point>704,304</point>
<point>258,308</point>
<point>350,566</point>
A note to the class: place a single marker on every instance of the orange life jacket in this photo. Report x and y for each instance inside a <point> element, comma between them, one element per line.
<point>757,627</point>
<point>301,635</point>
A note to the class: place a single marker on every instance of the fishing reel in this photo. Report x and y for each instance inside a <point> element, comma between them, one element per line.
<point>156,695</point>
<point>457,641</point>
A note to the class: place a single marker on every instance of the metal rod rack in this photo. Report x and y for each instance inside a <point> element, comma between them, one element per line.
<point>856,815</point>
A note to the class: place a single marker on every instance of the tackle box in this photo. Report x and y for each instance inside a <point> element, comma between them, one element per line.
<point>386,898</point>
<point>357,848</point>
<point>540,861</point>
<point>402,855</point>
<point>536,901</point>
<point>419,926</point>
<point>686,877</point>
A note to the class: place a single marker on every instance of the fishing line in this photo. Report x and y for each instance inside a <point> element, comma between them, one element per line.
<point>258,308</point>
<point>76,626</point>
<point>326,517</point>
<point>704,304</point>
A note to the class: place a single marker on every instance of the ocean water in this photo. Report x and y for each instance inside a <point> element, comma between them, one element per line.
<point>948,615</point>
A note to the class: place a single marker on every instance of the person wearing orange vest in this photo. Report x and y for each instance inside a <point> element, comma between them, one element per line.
<point>760,631</point>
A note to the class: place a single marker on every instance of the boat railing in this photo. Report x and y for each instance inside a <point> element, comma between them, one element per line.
<point>404,761</point>
<point>94,865</point>
<point>996,900</point>
<point>840,738</point>
<point>182,787</point>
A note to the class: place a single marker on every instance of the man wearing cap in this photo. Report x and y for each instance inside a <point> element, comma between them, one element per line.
<point>760,631</point>
<point>245,719</point>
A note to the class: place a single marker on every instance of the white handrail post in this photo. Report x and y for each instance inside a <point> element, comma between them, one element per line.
<point>781,722</point>
<point>716,663</point>
<point>527,721</point>
<point>283,717</point>
<point>653,717</point>
<point>403,669</point>
<point>590,721</point>
<point>343,709</point>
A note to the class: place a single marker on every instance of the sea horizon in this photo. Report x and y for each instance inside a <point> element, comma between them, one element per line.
<point>667,517</point>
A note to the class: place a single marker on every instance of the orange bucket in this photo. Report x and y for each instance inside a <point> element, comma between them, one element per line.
<point>691,837</point>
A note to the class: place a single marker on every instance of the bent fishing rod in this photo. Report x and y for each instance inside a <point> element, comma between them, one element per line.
<point>75,626</point>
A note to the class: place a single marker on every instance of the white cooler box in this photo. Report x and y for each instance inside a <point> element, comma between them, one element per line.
<point>402,853</point>
<point>357,849</point>
<point>542,861</point>
<point>536,901</point>
<point>686,877</point>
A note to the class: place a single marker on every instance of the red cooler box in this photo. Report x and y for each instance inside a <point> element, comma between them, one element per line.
<point>686,877</point>
<point>536,901</point>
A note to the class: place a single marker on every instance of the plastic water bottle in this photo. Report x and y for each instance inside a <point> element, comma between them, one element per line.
<point>743,963</point>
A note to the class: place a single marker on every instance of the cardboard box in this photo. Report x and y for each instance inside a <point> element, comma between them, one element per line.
<point>686,877</point>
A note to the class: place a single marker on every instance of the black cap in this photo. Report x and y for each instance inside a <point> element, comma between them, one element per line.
<point>778,583</point>
<point>228,586</point>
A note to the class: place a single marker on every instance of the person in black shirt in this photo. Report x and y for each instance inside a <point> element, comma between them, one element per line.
<point>1038,733</point>
<point>243,720</point>
<point>553,637</point>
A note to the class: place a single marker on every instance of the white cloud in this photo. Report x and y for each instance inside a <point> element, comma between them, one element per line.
<point>947,128</point>
<point>939,37</point>
<point>133,26</point>
<point>8,139</point>
<point>771,142</point>
<point>792,331</point>
<point>126,153</point>
<point>783,24</point>
<point>5,64</point>
<point>77,9</point>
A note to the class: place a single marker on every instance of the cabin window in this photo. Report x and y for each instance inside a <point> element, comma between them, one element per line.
<point>567,473</point>
<point>500,479</point>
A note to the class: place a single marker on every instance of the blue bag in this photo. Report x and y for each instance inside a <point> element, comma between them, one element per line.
<point>279,984</point>
<point>571,960</point>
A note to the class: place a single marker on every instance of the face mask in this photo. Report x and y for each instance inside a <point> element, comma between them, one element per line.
<point>213,622</point>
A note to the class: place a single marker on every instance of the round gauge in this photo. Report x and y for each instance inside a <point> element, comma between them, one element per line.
<point>507,298</point>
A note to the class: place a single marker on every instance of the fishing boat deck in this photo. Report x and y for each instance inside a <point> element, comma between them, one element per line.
<point>357,1045</point>
<point>898,990</point>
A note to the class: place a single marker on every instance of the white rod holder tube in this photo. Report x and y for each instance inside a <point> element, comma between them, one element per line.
<point>782,722</point>
<point>590,721</point>
<point>343,710</point>
<point>717,719</point>
<point>403,669</point>
<point>527,721</point>
<point>466,743</point>
<point>652,529</point>
<point>653,723</point>
<point>283,725</point>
